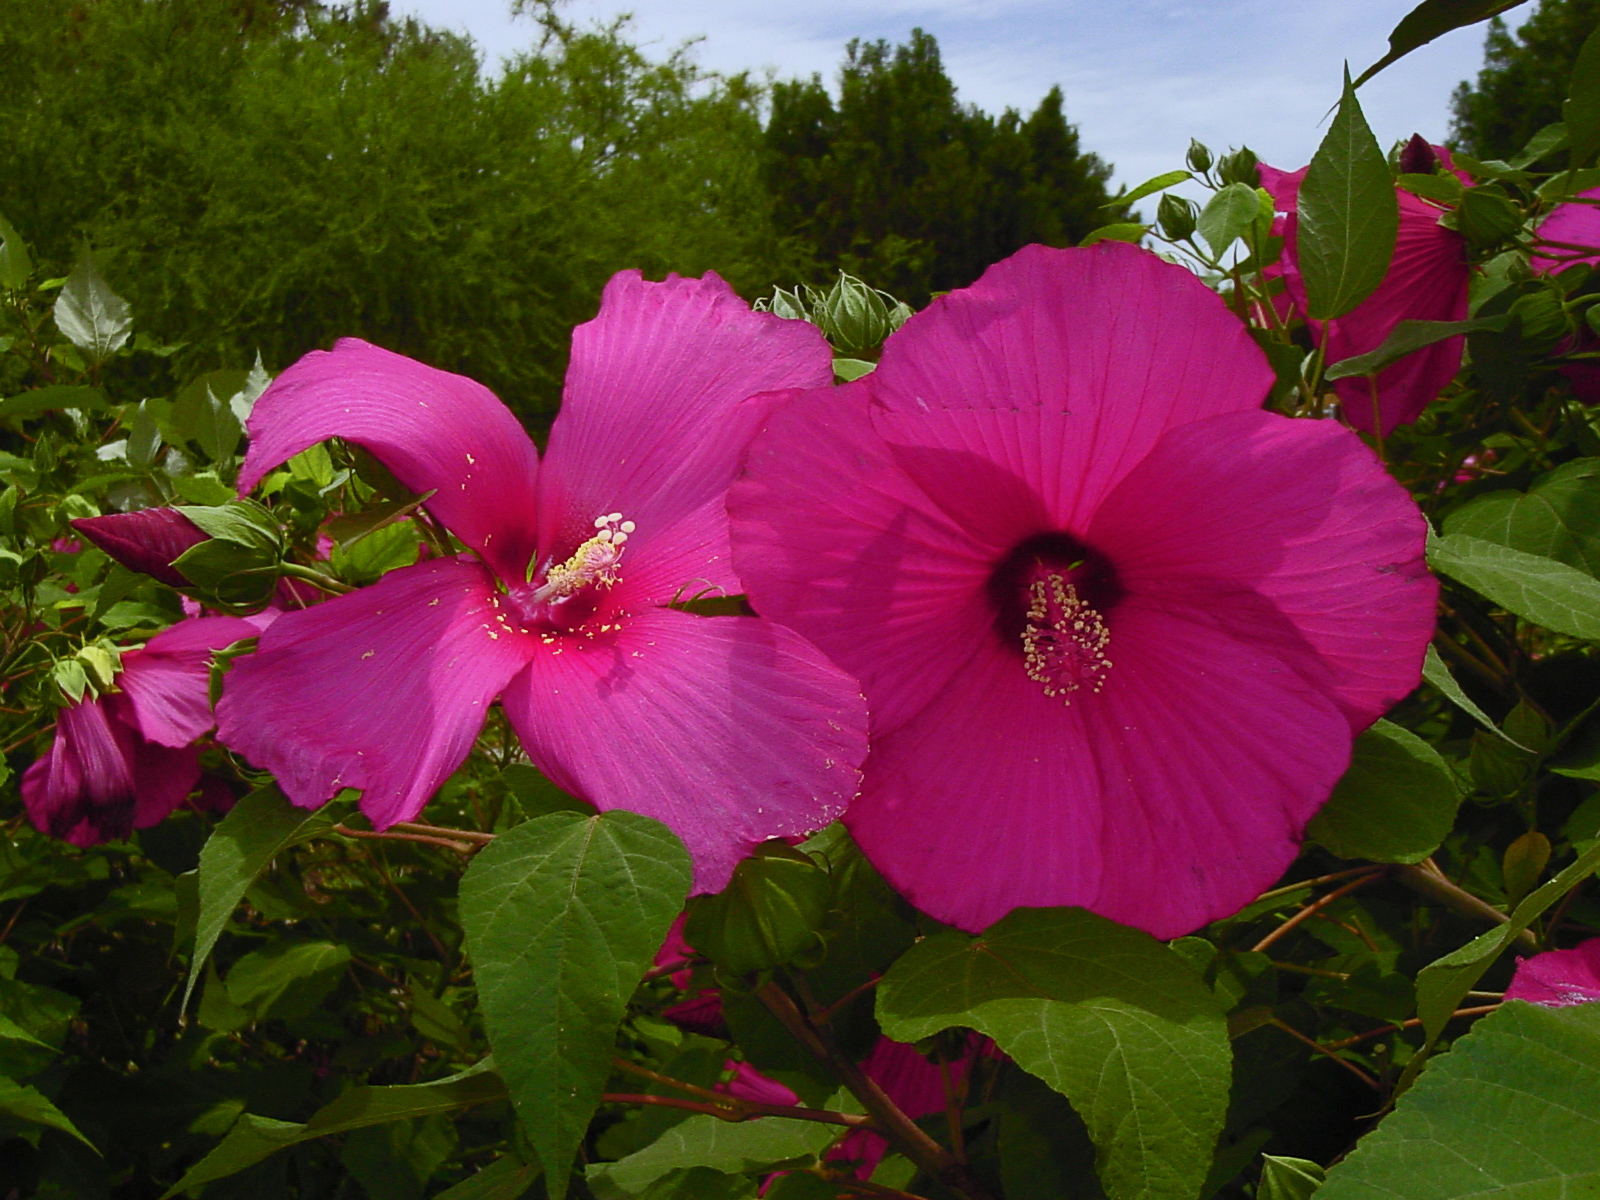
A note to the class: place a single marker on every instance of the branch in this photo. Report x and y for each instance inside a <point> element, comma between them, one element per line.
<point>887,1117</point>
<point>1411,1024</point>
<point>1427,879</point>
<point>1311,910</point>
<point>738,1109</point>
<point>458,847</point>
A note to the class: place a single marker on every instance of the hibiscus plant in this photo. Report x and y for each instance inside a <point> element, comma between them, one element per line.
<point>1128,730</point>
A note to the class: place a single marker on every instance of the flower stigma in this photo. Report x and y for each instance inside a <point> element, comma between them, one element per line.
<point>593,564</point>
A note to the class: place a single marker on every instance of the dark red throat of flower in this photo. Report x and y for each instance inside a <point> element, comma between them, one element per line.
<point>1053,597</point>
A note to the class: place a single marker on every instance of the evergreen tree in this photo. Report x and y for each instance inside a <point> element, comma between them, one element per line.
<point>903,185</point>
<point>1524,79</point>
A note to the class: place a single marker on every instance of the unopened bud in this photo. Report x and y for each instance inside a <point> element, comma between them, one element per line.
<point>1176,217</point>
<point>1199,157</point>
<point>1240,167</point>
<point>148,541</point>
<point>853,316</point>
<point>1418,157</point>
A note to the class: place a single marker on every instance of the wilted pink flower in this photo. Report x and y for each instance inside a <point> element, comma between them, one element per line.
<point>1558,978</point>
<point>1117,626</point>
<point>125,760</point>
<point>1427,281</point>
<point>729,729</point>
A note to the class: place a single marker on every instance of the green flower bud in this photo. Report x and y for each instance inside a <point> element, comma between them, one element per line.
<point>1176,217</point>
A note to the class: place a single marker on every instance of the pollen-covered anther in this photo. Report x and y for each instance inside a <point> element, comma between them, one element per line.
<point>593,564</point>
<point>1063,640</point>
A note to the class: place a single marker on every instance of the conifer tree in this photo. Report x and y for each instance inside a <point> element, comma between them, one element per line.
<point>902,184</point>
<point>1524,79</point>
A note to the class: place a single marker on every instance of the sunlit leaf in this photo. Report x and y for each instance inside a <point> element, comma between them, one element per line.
<point>1106,1015</point>
<point>562,916</point>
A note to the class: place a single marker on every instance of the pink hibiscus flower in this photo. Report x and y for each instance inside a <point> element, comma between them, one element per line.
<point>1117,626</point>
<point>1558,978</point>
<point>730,730</point>
<point>126,760</point>
<point>1427,281</point>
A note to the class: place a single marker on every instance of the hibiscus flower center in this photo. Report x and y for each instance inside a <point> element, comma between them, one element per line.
<point>1052,595</point>
<point>564,593</point>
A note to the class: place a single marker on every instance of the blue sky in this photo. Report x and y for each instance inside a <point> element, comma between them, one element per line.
<point>1140,76</point>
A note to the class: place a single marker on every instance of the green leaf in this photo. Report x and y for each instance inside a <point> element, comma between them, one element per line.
<point>771,910</point>
<point>1288,1178</point>
<point>1445,982</point>
<point>286,979</point>
<point>562,915</point>
<point>1149,187</point>
<point>852,369</point>
<point>1228,215</point>
<point>1395,804</point>
<point>1569,183</point>
<point>1536,588</point>
<point>244,843</point>
<point>24,1103</point>
<point>1108,1016</point>
<point>1558,517</point>
<point>506,1178</point>
<point>90,315</point>
<point>706,1141</point>
<point>1121,231</point>
<point>253,1138</point>
<point>1432,19</point>
<point>1444,189</point>
<point>15,266</point>
<point>1406,338</point>
<point>1581,113</point>
<point>1436,673</point>
<point>1349,216</point>
<point>1548,140</point>
<point>1513,1110</point>
<point>52,399</point>
<point>368,558</point>
<point>201,412</point>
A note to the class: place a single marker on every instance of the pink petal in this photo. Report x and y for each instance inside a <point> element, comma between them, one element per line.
<point>729,730</point>
<point>168,682</point>
<point>1288,533</point>
<point>1062,367</point>
<point>163,777</point>
<point>655,419</point>
<point>1558,978</point>
<point>1167,800</point>
<point>436,431</point>
<point>1574,224</point>
<point>832,538</point>
<point>384,689</point>
<point>147,541</point>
